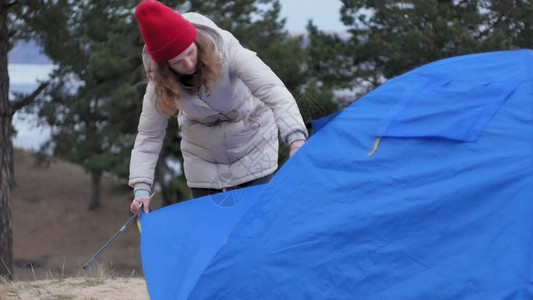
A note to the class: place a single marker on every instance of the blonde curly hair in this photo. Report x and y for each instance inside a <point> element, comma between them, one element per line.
<point>168,89</point>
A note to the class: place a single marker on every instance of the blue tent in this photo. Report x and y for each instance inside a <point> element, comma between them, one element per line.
<point>441,209</point>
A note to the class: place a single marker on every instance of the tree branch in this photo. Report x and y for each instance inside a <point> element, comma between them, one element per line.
<point>489,29</point>
<point>20,104</point>
<point>8,5</point>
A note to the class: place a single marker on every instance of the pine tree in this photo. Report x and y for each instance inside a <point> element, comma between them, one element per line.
<point>12,28</point>
<point>390,37</point>
<point>93,98</point>
<point>6,149</point>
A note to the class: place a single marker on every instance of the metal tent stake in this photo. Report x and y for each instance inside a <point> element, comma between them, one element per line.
<point>116,235</point>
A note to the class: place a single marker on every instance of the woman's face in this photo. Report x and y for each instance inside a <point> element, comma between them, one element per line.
<point>185,62</point>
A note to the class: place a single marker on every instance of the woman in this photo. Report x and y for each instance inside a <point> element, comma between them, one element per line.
<point>229,106</point>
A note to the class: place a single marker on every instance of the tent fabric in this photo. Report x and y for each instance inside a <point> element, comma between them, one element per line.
<point>178,241</point>
<point>316,125</point>
<point>442,210</point>
<point>454,109</point>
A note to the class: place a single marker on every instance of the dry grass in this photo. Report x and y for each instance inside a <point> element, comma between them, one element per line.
<point>99,281</point>
<point>76,288</point>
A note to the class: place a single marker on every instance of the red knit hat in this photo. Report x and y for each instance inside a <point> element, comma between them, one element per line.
<point>165,32</point>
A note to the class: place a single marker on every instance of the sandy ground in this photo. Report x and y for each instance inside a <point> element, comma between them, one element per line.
<point>76,288</point>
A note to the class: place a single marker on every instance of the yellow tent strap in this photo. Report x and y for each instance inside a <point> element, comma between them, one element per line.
<point>376,144</point>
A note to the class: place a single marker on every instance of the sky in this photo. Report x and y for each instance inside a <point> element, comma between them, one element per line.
<point>325,14</point>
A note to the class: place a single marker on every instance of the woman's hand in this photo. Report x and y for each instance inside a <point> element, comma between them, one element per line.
<point>295,146</point>
<point>143,199</point>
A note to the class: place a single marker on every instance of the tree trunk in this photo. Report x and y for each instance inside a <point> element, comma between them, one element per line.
<point>96,178</point>
<point>12,182</point>
<point>6,150</point>
<point>6,230</point>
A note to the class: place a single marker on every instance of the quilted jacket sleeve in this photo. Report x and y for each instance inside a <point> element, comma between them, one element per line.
<point>267,87</point>
<point>145,153</point>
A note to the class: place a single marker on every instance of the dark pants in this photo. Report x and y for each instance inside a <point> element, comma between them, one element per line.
<point>200,192</point>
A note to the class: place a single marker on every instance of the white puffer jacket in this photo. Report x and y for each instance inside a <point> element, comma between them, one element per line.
<point>229,137</point>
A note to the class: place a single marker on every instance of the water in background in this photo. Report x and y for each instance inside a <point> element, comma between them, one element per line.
<point>23,78</point>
